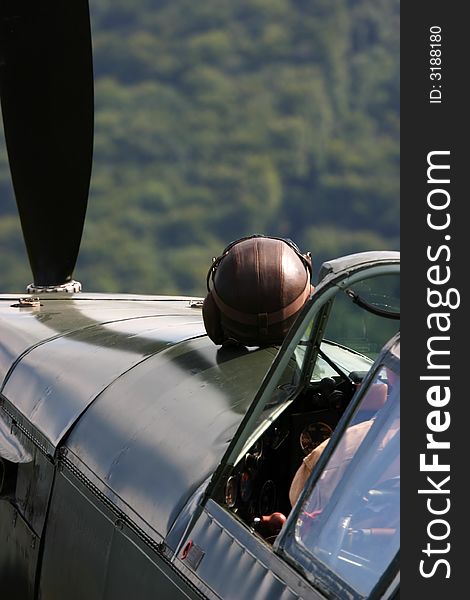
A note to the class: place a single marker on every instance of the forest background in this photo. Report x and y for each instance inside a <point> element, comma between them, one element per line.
<point>217,119</point>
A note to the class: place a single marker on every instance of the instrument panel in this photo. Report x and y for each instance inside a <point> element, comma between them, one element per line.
<point>259,485</point>
<point>257,490</point>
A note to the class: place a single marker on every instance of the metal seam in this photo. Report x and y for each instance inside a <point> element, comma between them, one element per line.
<point>24,430</point>
<point>158,547</point>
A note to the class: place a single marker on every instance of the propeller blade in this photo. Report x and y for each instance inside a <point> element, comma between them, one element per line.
<point>46,91</point>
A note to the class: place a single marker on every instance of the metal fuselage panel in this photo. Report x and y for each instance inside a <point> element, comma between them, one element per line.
<point>89,553</point>
<point>236,564</point>
<point>58,357</point>
<point>24,327</point>
<point>143,402</point>
<point>156,433</point>
<point>55,359</point>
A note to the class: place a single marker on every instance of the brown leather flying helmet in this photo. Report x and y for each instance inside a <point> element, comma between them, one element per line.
<point>256,288</point>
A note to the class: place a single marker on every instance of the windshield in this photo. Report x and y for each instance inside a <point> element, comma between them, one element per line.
<point>347,360</point>
<point>349,522</point>
<point>366,314</point>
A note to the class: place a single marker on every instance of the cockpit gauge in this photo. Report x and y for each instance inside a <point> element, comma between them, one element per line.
<point>313,435</point>
<point>267,498</point>
<point>246,485</point>
<point>231,491</point>
<point>257,448</point>
<point>253,458</point>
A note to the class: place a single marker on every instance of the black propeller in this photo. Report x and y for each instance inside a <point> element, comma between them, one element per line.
<point>46,90</point>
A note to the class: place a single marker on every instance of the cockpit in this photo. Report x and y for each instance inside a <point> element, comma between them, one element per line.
<point>327,397</point>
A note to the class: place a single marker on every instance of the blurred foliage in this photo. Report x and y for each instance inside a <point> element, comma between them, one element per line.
<point>219,119</point>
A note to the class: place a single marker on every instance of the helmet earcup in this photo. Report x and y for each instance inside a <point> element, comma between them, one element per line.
<point>212,320</point>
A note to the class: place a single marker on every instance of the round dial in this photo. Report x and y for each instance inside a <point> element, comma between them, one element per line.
<point>231,491</point>
<point>313,435</point>
<point>267,498</point>
<point>246,485</point>
<point>257,448</point>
